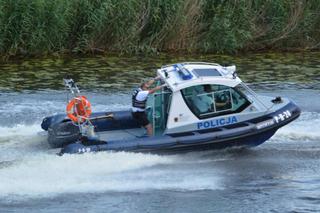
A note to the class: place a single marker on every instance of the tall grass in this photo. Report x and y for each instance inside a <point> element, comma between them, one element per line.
<point>33,27</point>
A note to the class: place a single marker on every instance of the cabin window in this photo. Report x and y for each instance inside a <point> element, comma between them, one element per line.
<point>212,100</point>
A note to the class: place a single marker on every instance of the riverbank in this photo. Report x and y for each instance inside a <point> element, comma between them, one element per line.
<point>31,28</point>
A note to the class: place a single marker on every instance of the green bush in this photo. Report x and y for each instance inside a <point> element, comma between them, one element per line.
<point>37,27</point>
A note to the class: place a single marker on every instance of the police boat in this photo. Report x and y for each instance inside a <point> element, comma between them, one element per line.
<point>204,106</point>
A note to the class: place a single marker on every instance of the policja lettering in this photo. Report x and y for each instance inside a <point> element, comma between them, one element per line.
<point>217,122</point>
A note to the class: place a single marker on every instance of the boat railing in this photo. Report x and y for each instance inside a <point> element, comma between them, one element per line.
<point>192,63</point>
<point>72,86</point>
<point>202,63</point>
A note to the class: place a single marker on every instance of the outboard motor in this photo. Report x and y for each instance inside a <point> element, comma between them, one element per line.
<point>62,134</point>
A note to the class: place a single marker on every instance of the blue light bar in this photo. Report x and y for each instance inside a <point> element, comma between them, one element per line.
<point>183,72</point>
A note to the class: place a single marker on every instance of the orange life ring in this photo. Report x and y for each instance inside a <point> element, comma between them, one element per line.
<point>79,109</point>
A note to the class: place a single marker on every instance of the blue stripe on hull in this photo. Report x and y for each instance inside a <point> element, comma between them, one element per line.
<point>245,141</point>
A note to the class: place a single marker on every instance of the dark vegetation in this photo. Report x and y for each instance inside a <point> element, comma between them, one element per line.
<point>41,27</point>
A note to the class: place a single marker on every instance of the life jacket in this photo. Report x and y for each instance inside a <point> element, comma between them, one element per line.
<point>135,102</point>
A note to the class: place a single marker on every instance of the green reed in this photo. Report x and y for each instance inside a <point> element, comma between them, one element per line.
<point>39,27</point>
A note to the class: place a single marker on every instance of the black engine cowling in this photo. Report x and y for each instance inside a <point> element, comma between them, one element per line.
<point>62,134</point>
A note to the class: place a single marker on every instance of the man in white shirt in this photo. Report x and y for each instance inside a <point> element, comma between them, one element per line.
<point>139,101</point>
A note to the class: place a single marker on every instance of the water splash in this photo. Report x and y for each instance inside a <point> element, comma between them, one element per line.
<point>45,175</point>
<point>19,130</point>
<point>306,128</point>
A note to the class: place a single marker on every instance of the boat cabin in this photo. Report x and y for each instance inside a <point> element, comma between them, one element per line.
<point>199,96</point>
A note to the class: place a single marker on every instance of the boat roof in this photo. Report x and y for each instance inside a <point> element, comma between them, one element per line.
<point>182,75</point>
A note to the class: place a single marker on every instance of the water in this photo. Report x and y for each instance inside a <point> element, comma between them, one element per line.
<point>281,175</point>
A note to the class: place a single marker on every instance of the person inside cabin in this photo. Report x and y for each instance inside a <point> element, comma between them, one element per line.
<point>202,99</point>
<point>222,100</point>
<point>139,101</point>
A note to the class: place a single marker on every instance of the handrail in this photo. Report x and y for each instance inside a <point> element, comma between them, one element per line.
<point>204,63</point>
<point>192,62</point>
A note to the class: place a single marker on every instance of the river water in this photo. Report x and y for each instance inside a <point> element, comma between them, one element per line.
<point>281,175</point>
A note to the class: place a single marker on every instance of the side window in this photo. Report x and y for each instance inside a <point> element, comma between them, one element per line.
<point>199,99</point>
<point>212,100</point>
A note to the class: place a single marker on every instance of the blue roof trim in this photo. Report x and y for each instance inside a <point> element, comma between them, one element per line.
<point>183,72</point>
